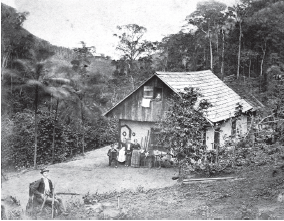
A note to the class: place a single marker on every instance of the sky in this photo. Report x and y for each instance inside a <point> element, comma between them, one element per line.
<point>67,22</point>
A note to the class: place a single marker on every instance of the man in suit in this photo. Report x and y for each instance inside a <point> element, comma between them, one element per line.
<point>128,153</point>
<point>112,154</point>
<point>43,190</point>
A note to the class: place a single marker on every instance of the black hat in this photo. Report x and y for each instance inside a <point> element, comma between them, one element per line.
<point>44,170</point>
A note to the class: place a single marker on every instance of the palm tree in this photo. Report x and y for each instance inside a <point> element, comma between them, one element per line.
<point>76,111</point>
<point>58,94</point>
<point>34,81</point>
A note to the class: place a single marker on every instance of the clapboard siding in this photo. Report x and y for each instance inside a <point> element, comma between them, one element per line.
<point>131,109</point>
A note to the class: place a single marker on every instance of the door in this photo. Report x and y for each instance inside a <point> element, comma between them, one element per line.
<point>216,138</point>
<point>125,132</point>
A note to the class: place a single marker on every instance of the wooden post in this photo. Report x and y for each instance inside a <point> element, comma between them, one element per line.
<point>217,153</point>
<point>147,141</point>
<point>52,205</point>
<point>118,201</point>
<point>119,132</point>
<point>149,138</point>
<point>233,161</point>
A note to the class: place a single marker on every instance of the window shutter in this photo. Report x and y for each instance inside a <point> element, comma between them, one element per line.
<point>148,92</point>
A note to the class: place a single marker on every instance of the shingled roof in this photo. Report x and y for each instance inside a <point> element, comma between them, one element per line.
<point>248,97</point>
<point>223,98</point>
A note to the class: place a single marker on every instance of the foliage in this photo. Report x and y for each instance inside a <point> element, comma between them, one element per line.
<point>184,120</point>
<point>208,18</point>
<point>180,52</point>
<point>135,53</point>
<point>182,129</point>
<point>211,39</point>
<point>260,154</point>
<point>15,43</point>
<point>83,54</point>
<point>237,40</point>
<point>21,140</point>
<point>18,144</point>
<point>130,41</point>
<point>6,138</point>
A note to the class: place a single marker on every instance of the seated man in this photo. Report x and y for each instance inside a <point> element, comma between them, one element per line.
<point>43,189</point>
<point>112,154</point>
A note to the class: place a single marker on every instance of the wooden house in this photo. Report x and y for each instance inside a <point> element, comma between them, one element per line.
<point>140,110</point>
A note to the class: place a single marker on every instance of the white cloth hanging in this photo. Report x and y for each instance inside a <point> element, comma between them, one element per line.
<point>145,102</point>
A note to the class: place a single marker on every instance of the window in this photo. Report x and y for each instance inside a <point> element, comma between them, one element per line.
<point>148,92</point>
<point>158,93</point>
<point>249,119</point>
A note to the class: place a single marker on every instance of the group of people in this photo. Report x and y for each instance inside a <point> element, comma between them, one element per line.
<point>130,154</point>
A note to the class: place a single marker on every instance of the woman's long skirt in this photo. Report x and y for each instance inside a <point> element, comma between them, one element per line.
<point>135,159</point>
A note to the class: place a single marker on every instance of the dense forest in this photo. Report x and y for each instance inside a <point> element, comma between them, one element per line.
<point>53,97</point>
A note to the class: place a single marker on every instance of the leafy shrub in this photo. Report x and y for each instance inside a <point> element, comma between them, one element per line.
<point>18,145</point>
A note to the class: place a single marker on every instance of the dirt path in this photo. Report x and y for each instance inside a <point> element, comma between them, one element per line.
<point>89,173</point>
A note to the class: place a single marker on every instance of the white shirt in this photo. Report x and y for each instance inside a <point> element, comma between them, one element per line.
<point>46,186</point>
<point>128,146</point>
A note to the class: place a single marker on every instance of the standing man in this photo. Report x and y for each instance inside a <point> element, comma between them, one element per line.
<point>128,153</point>
<point>43,190</point>
<point>112,155</point>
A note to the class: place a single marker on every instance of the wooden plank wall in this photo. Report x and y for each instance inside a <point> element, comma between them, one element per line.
<point>131,109</point>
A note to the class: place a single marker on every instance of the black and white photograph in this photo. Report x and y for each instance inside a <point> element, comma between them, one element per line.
<point>142,110</point>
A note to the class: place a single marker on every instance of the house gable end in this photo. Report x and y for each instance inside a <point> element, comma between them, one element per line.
<point>146,103</point>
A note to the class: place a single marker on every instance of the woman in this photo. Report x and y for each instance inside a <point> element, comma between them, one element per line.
<point>121,153</point>
<point>135,159</point>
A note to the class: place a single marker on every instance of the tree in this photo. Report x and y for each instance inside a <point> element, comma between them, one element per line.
<point>15,41</point>
<point>240,13</point>
<point>182,130</point>
<point>180,52</point>
<point>58,93</point>
<point>275,101</point>
<point>208,18</point>
<point>33,80</point>
<point>80,65</point>
<point>132,46</point>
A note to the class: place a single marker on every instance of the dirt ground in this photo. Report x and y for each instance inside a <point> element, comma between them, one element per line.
<point>89,173</point>
<point>143,193</point>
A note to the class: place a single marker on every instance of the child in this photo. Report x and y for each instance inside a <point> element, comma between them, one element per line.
<point>112,155</point>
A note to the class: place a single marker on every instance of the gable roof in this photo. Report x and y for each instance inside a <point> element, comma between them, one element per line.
<point>223,98</point>
<point>231,81</point>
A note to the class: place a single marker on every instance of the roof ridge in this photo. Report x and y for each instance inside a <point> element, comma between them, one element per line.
<point>181,72</point>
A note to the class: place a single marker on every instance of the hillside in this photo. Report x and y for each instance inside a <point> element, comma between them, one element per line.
<point>101,65</point>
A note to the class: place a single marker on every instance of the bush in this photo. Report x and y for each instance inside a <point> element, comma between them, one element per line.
<point>18,144</point>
